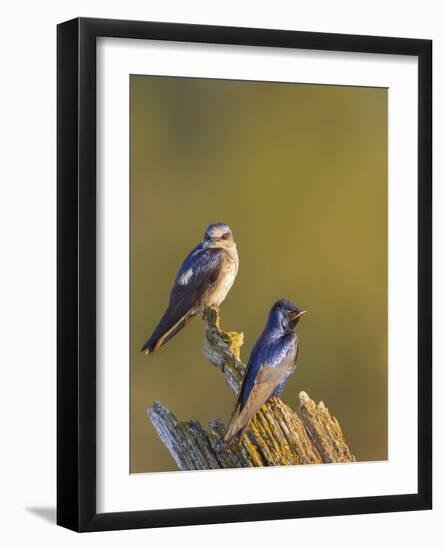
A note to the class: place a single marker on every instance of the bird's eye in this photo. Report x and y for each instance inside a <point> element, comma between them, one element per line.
<point>226,236</point>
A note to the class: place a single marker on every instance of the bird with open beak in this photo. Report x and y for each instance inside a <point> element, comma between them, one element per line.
<point>203,280</point>
<point>272,361</point>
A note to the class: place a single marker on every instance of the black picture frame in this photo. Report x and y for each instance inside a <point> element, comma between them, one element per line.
<point>76,266</point>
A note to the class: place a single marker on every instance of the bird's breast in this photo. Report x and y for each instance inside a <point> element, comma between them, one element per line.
<point>219,290</point>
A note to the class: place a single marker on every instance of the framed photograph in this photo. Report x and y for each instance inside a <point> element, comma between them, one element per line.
<point>244,274</point>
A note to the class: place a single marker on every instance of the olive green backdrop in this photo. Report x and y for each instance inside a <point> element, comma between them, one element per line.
<point>299,172</point>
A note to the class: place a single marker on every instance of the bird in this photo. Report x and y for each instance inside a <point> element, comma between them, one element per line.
<point>271,363</point>
<point>203,280</point>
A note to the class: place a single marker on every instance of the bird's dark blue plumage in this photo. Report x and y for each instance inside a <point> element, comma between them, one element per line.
<point>272,361</point>
<point>200,265</point>
<point>204,278</point>
<point>271,352</point>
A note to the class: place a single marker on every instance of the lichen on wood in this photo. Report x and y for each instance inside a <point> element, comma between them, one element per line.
<point>277,436</point>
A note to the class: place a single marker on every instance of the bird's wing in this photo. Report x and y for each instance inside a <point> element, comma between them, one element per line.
<point>281,354</point>
<point>259,384</point>
<point>200,269</point>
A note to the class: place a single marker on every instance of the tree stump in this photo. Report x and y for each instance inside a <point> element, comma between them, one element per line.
<point>277,436</point>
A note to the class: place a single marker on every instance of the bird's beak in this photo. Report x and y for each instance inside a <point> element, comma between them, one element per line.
<point>296,315</point>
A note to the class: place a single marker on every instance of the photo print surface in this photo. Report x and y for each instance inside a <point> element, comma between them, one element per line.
<point>292,178</point>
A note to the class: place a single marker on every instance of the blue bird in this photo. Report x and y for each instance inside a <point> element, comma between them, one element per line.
<point>272,361</point>
<point>203,280</point>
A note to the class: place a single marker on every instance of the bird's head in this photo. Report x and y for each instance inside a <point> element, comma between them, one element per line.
<point>218,235</point>
<point>285,315</point>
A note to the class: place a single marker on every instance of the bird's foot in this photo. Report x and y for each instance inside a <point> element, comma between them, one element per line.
<point>212,315</point>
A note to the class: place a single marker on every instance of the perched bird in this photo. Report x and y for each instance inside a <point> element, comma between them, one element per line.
<point>203,280</point>
<point>272,361</point>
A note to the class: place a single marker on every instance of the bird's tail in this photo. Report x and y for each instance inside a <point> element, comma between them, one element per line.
<point>238,422</point>
<point>165,330</point>
<point>242,415</point>
<point>237,427</point>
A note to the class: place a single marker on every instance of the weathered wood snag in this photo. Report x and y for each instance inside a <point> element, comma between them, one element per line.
<point>277,436</point>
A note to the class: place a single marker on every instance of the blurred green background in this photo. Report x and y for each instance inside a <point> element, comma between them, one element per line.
<point>299,172</point>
